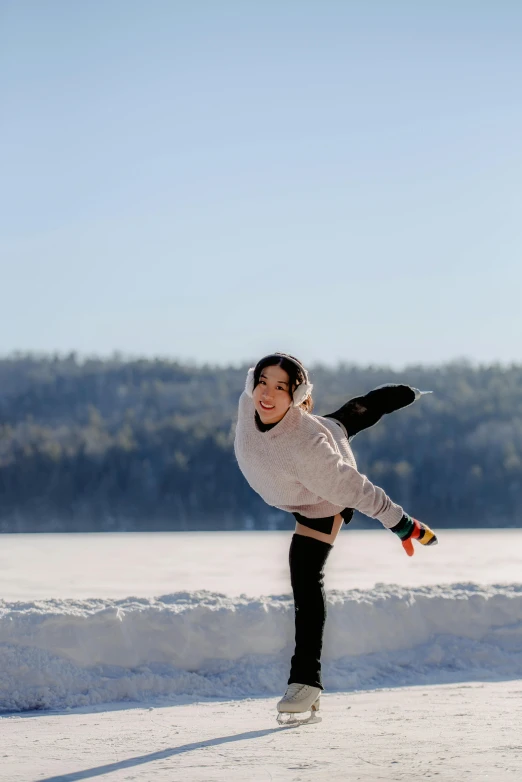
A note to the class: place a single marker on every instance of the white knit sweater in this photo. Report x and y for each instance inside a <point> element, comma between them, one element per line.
<point>305,465</point>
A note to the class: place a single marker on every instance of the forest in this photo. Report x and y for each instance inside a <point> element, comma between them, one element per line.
<point>120,444</point>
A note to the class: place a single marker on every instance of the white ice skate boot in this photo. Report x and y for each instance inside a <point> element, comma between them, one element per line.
<point>299,699</point>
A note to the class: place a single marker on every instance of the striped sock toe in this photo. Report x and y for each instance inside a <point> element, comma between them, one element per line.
<point>427,537</point>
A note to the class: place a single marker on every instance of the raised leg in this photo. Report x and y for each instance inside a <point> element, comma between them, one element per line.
<point>361,412</point>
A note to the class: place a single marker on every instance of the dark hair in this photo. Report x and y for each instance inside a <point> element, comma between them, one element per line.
<point>293,368</point>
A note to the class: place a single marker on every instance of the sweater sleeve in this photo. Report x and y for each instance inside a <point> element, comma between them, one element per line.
<point>324,472</point>
<point>245,406</point>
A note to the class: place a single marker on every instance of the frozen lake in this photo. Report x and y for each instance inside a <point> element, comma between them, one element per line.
<point>117,565</point>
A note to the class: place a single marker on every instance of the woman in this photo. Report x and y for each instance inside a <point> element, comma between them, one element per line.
<point>303,463</point>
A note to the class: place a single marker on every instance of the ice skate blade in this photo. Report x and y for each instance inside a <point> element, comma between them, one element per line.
<point>289,720</point>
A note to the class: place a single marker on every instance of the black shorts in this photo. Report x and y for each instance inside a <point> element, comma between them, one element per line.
<point>324,524</point>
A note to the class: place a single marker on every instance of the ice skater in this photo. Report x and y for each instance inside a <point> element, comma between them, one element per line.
<point>303,464</point>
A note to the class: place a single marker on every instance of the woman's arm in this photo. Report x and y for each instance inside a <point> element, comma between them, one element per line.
<point>323,471</point>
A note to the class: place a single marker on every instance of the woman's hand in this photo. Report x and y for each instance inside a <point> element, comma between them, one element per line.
<point>409,529</point>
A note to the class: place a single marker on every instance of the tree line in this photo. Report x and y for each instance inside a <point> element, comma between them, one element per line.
<point>120,444</point>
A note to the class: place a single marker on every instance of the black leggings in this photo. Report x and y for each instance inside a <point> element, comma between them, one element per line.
<point>307,560</point>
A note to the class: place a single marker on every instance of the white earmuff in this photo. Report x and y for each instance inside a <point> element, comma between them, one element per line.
<point>249,383</point>
<point>301,393</point>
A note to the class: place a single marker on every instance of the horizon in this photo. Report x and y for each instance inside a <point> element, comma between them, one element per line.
<point>123,358</point>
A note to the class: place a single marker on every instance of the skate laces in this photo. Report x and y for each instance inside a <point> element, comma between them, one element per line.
<point>295,689</point>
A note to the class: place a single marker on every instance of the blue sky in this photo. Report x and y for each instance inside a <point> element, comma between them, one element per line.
<point>217,180</point>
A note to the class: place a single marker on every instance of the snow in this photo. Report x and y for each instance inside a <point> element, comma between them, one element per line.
<point>124,679</point>
<point>61,653</point>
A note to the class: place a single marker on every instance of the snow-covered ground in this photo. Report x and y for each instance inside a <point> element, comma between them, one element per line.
<point>60,653</point>
<point>150,656</point>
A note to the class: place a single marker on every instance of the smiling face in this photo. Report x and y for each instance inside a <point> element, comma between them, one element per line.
<point>272,396</point>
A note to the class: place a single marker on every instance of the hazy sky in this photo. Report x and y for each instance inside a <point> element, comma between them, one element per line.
<point>215,180</point>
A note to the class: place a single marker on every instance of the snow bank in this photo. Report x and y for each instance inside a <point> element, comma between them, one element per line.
<point>60,653</point>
